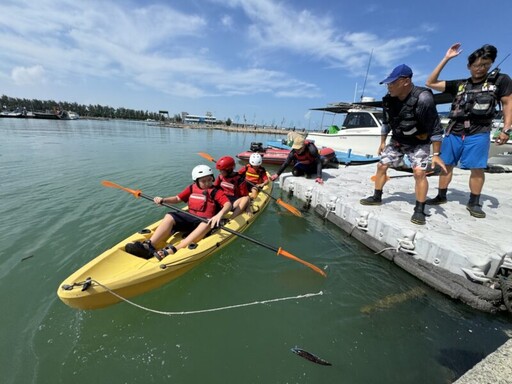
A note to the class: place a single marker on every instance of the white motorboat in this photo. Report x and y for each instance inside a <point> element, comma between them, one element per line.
<point>360,132</point>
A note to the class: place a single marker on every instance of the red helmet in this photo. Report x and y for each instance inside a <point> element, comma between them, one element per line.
<point>225,163</point>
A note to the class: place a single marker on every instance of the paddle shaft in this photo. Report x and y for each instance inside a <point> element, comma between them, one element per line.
<point>279,251</point>
<point>239,234</point>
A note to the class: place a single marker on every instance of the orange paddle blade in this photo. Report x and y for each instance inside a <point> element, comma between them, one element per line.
<point>289,207</point>
<point>375,176</point>
<point>207,156</point>
<point>282,252</point>
<point>109,184</point>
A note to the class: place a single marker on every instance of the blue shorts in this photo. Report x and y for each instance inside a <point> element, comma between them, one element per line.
<point>469,152</point>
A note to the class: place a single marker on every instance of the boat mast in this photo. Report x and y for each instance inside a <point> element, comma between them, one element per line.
<point>366,77</point>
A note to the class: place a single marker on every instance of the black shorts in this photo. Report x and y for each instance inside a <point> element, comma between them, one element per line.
<point>184,222</point>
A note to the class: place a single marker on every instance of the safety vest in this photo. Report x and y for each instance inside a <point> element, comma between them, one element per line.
<point>476,101</point>
<point>305,157</point>
<point>231,185</point>
<point>253,175</point>
<point>402,118</point>
<point>201,202</point>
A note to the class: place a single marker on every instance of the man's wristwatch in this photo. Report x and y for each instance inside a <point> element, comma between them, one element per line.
<point>507,131</point>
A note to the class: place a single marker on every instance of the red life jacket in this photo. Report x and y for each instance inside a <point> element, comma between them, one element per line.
<point>305,157</point>
<point>201,202</point>
<point>231,185</point>
<point>253,175</point>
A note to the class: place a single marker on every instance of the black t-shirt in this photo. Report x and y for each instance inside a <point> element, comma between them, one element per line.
<point>504,88</point>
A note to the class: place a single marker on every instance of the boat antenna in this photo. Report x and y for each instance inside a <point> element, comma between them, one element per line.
<point>367,70</point>
<point>501,62</point>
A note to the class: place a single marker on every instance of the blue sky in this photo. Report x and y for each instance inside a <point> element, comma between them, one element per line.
<point>270,61</point>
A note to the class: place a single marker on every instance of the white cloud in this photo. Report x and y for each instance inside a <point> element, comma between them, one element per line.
<point>28,76</point>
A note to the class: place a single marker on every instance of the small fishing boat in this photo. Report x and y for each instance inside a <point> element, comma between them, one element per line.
<point>116,272</point>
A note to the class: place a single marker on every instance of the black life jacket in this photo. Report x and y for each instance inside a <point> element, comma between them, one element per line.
<point>401,117</point>
<point>476,102</point>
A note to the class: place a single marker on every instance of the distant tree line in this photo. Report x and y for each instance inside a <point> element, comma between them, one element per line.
<point>94,111</point>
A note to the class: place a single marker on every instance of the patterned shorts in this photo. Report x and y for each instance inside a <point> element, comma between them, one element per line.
<point>394,152</point>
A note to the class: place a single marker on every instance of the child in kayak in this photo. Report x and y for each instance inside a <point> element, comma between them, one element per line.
<point>204,201</point>
<point>232,183</point>
<point>255,174</point>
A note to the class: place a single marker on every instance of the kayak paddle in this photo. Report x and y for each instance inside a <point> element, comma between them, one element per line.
<point>279,251</point>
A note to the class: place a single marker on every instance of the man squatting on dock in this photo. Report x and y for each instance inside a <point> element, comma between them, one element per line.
<point>411,116</point>
<point>467,136</point>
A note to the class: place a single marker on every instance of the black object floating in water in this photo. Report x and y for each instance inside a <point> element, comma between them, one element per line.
<point>309,356</point>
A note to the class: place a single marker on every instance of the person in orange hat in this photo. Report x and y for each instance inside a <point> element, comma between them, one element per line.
<point>306,159</point>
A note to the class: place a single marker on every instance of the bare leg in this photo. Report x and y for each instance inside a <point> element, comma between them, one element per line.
<point>421,186</point>
<point>194,236</point>
<point>476,181</point>
<point>240,206</point>
<point>381,176</point>
<point>446,178</point>
<point>164,229</point>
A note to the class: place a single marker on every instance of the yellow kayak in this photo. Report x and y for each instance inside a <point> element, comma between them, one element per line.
<point>115,270</point>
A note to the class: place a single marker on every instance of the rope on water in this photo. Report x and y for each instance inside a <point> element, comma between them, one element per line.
<point>304,296</point>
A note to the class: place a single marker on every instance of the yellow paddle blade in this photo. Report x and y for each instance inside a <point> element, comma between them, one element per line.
<point>289,207</point>
<point>282,252</point>
<point>109,184</point>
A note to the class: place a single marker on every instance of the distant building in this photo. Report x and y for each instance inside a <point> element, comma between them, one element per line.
<point>197,119</point>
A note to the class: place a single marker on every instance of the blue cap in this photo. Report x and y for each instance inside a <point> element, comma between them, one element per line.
<point>401,71</point>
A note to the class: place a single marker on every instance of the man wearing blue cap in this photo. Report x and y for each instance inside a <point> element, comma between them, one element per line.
<point>410,115</point>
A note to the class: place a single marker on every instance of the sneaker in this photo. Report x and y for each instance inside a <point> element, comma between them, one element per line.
<point>372,200</point>
<point>476,211</point>
<point>144,250</point>
<point>436,201</point>
<point>418,218</point>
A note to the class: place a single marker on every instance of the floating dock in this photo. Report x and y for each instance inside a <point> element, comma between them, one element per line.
<point>455,253</point>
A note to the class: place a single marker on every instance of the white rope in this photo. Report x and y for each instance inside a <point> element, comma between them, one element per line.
<point>307,295</point>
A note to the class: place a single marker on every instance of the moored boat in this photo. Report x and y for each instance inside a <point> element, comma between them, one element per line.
<point>116,272</point>
<point>340,157</point>
<point>55,115</point>
<point>360,132</point>
<point>268,155</point>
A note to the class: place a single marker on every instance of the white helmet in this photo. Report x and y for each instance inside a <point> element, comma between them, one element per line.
<point>255,159</point>
<point>201,171</point>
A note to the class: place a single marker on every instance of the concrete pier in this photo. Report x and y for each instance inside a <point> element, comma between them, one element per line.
<point>454,252</point>
<point>495,368</point>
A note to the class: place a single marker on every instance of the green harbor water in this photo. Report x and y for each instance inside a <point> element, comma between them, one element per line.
<point>373,322</point>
